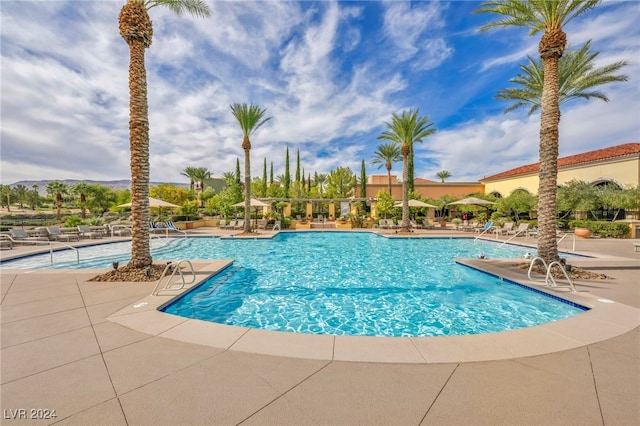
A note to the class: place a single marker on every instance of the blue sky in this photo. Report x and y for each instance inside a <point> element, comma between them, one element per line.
<point>329,73</point>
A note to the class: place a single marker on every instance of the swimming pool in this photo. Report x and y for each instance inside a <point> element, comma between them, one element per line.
<point>344,283</point>
<point>366,284</point>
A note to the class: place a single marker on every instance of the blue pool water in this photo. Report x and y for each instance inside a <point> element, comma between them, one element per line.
<point>344,283</point>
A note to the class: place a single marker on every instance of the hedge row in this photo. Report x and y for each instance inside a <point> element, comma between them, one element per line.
<point>602,229</point>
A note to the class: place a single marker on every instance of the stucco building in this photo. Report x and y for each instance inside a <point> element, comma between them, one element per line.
<point>618,165</point>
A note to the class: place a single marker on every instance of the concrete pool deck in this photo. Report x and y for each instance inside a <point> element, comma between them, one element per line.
<point>80,348</point>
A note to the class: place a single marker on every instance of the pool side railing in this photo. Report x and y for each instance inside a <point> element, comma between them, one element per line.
<point>173,269</point>
<point>49,243</point>
<point>549,280</point>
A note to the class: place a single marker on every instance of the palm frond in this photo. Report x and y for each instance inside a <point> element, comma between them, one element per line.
<point>198,8</point>
<point>249,117</point>
<point>577,74</point>
<point>537,15</point>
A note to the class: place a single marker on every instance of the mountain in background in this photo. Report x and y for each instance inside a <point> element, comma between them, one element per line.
<point>114,184</point>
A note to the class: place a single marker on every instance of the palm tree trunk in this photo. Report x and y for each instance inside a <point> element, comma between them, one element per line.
<point>551,47</point>
<point>58,206</point>
<point>389,177</point>
<point>404,226</point>
<point>139,146</point>
<point>247,185</point>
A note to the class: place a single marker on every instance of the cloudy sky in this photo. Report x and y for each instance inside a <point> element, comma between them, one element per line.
<point>329,73</point>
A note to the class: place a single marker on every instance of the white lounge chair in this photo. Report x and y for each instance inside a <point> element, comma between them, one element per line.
<point>56,234</point>
<point>173,228</point>
<point>86,232</point>
<point>506,228</point>
<point>19,235</point>
<point>521,230</point>
<point>120,230</point>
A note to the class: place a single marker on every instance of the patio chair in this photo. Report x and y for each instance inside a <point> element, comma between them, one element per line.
<point>239,224</point>
<point>120,230</point>
<point>231,225</point>
<point>484,228</point>
<point>172,227</point>
<point>636,247</point>
<point>5,242</point>
<point>470,227</point>
<point>428,224</point>
<point>55,234</point>
<point>276,226</point>
<point>19,235</point>
<point>521,230</point>
<point>86,232</point>
<point>222,223</point>
<point>505,229</point>
<point>414,225</point>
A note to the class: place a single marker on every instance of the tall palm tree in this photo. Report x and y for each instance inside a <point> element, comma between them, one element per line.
<point>548,17</point>
<point>137,31</point>
<point>80,190</point>
<point>57,190</point>
<point>199,175</point>
<point>577,74</point>
<point>443,174</point>
<point>320,179</point>
<point>250,118</point>
<point>385,155</point>
<point>6,193</point>
<point>406,129</point>
<point>190,172</point>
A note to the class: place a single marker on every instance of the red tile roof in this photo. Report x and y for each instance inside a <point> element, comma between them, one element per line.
<point>421,180</point>
<point>572,160</point>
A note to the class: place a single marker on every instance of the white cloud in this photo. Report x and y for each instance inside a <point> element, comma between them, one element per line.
<point>323,72</point>
<point>413,28</point>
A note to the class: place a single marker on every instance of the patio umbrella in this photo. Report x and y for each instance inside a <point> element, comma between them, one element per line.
<point>253,202</point>
<point>415,203</point>
<point>472,201</point>
<point>154,203</point>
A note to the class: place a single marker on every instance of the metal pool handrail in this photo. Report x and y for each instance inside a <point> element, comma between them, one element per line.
<point>50,243</point>
<point>174,268</point>
<point>549,280</point>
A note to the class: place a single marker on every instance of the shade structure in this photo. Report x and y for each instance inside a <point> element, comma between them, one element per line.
<point>153,202</point>
<point>472,201</point>
<point>415,203</point>
<point>252,203</point>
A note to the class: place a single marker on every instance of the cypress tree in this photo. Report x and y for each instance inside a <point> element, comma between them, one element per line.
<point>287,175</point>
<point>363,181</point>
<point>298,167</point>
<point>271,175</point>
<point>264,178</point>
<point>238,177</point>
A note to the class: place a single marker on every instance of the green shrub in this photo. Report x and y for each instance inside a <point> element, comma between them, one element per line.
<point>72,222</point>
<point>601,228</point>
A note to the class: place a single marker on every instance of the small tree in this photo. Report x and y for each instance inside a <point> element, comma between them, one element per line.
<point>517,203</point>
<point>444,174</point>
<point>385,203</point>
